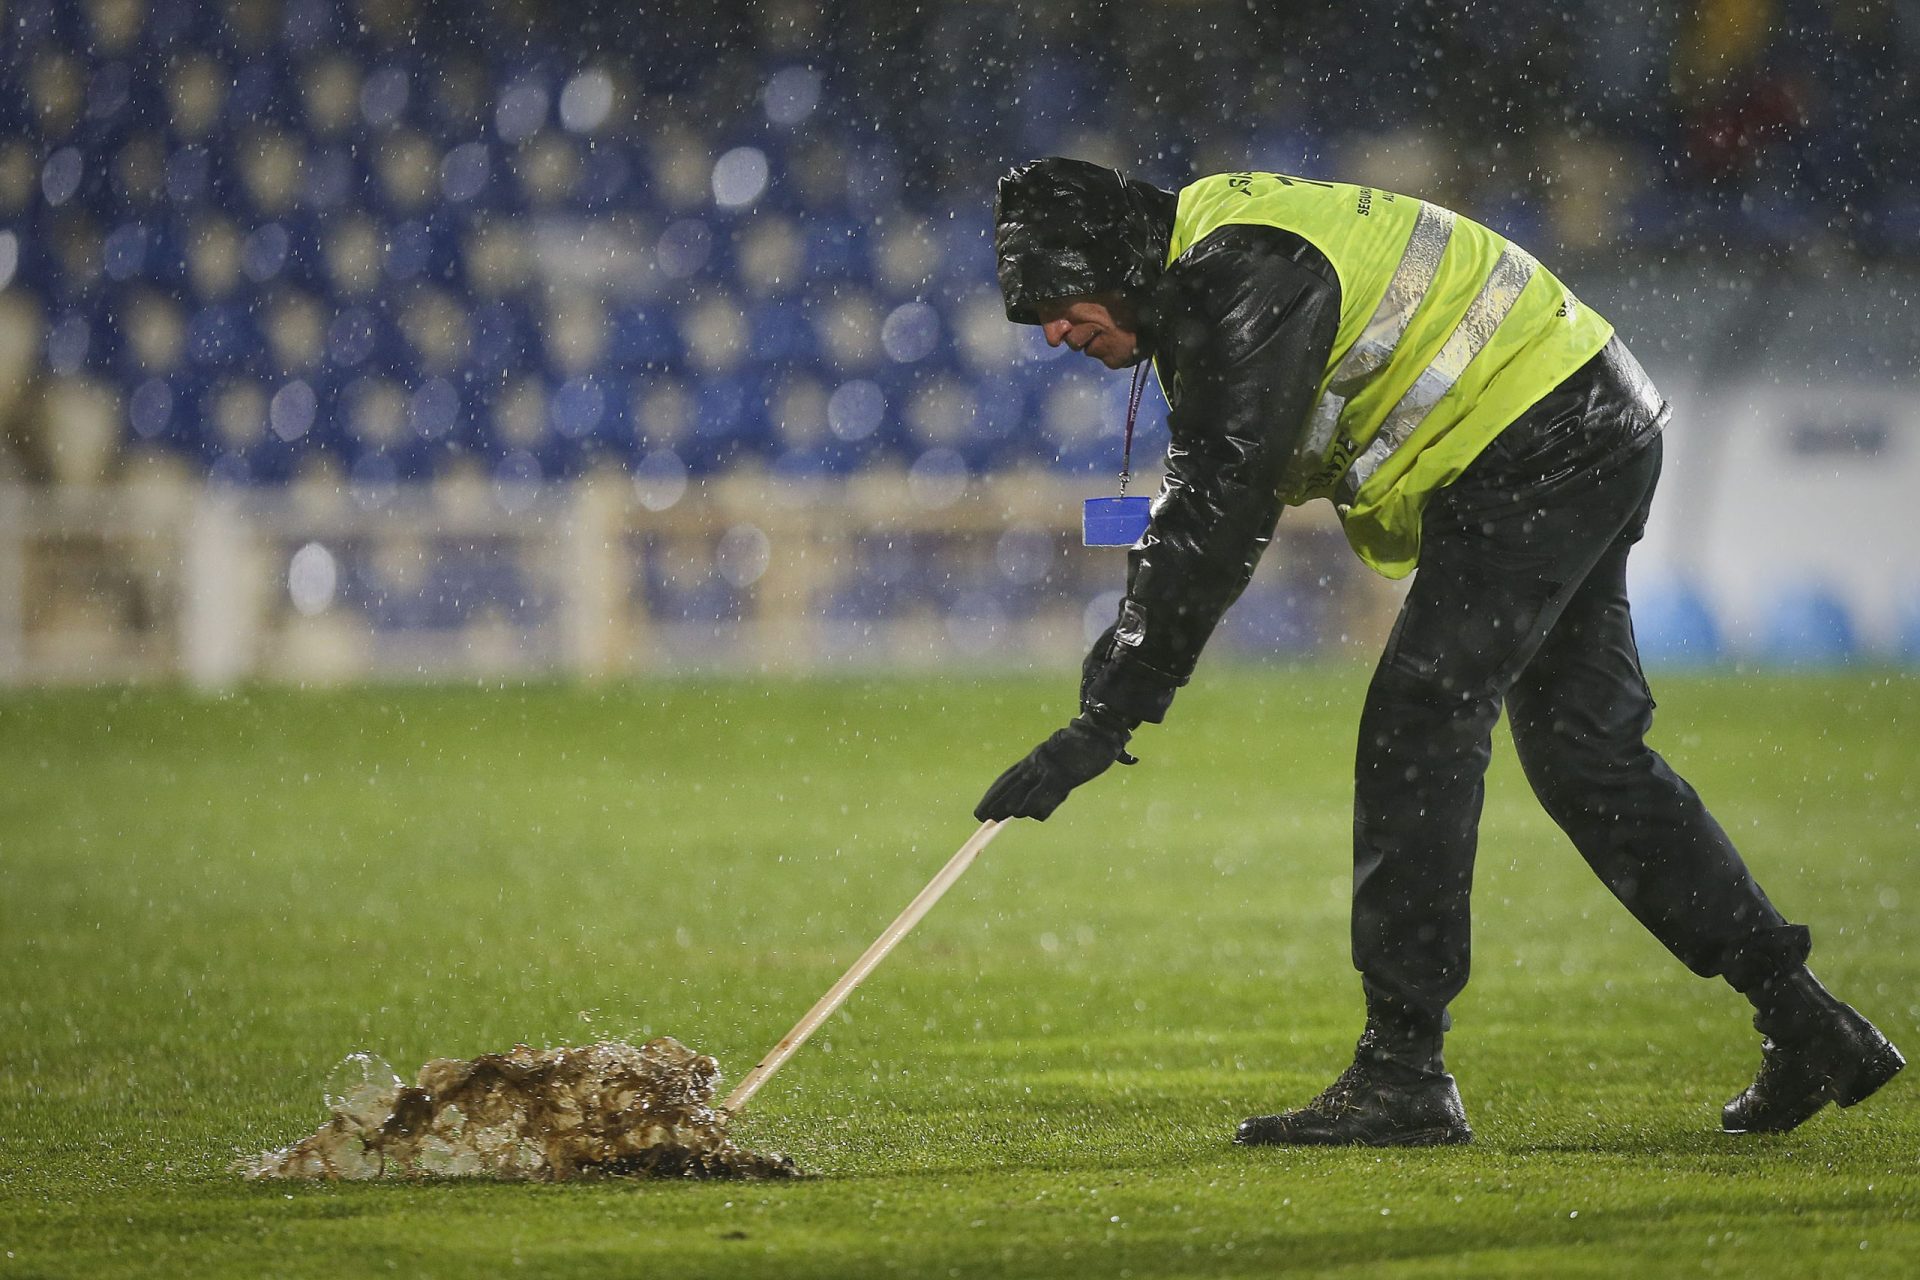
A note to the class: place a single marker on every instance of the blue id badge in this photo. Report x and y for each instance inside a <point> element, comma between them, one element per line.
<point>1114,522</point>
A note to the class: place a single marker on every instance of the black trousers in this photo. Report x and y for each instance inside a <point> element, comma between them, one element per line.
<point>1521,601</point>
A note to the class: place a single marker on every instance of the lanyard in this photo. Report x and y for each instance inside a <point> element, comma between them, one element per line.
<point>1134,393</point>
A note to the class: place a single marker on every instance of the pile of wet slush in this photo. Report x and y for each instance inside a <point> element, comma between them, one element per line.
<point>607,1109</point>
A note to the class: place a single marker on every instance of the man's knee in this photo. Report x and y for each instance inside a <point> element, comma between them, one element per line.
<point>1580,730</point>
<point>1416,699</point>
<point>1576,762</point>
<point>1417,731</point>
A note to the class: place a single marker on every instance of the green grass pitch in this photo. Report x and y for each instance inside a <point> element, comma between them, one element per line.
<point>204,903</point>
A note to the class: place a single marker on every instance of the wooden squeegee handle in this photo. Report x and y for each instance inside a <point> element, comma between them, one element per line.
<point>869,959</point>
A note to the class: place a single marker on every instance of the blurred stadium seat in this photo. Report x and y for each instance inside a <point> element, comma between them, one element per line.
<point>383,243</point>
<point>1809,625</point>
<point>204,153</point>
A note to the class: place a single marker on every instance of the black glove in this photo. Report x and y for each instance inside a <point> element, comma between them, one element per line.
<point>1035,787</point>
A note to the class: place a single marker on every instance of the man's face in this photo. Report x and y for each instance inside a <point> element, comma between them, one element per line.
<point>1102,327</point>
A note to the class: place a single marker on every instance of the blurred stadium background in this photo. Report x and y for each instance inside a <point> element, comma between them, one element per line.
<point>347,338</point>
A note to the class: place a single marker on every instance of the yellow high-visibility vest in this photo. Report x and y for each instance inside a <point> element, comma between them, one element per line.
<point>1448,332</point>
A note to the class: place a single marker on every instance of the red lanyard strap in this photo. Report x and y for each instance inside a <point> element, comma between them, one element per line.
<point>1134,393</point>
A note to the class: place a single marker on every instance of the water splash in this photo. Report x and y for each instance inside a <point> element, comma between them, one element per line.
<point>595,1110</point>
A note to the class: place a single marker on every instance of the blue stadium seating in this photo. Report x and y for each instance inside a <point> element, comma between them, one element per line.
<point>1809,625</point>
<point>141,218</point>
<point>1674,625</point>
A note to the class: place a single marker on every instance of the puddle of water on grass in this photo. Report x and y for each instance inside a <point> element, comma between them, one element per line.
<point>606,1109</point>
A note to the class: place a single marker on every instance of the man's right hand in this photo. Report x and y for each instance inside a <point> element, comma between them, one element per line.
<point>1035,787</point>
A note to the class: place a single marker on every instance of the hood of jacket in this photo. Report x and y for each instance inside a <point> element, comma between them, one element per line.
<point>1068,228</point>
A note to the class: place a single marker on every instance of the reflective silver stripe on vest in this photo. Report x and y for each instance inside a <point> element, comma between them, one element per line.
<point>1370,353</point>
<point>1495,299</point>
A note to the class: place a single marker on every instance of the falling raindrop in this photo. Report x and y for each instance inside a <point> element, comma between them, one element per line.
<point>683,248</point>
<point>433,409</point>
<point>660,479</point>
<point>910,332</point>
<point>67,344</point>
<point>312,578</point>
<point>1099,615</point>
<point>522,111</point>
<point>937,479</point>
<point>60,177</point>
<point>290,413</point>
<point>150,408</point>
<point>383,96</point>
<point>743,554</point>
<point>587,101</point>
<point>464,172</point>
<point>855,409</point>
<point>791,95</point>
<point>739,177</point>
<point>264,253</point>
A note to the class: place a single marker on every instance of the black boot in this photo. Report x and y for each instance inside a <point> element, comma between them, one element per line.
<point>1387,1098</point>
<point>1817,1050</point>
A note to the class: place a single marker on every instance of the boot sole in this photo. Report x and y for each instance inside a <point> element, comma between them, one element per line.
<point>1427,1138</point>
<point>1436,1137</point>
